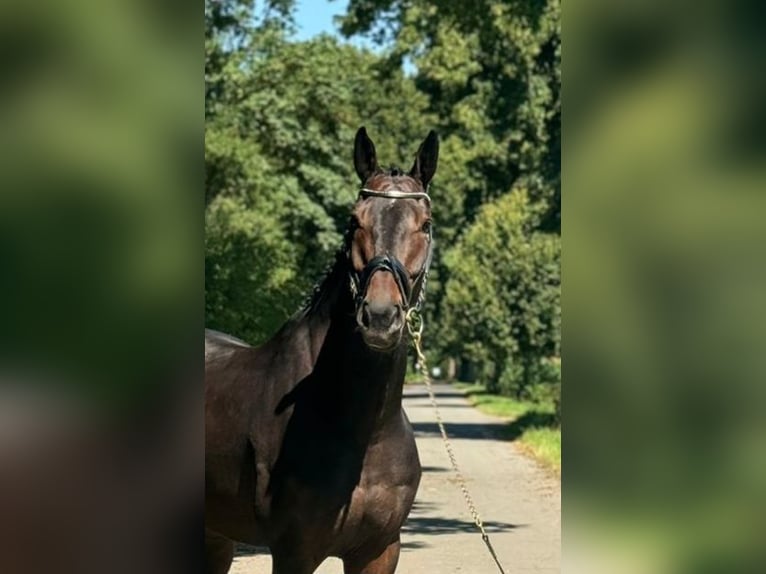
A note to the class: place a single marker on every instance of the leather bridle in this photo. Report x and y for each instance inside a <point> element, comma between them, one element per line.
<point>395,194</point>
<point>361,281</point>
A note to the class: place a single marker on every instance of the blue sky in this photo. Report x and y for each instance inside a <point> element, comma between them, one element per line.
<point>313,17</point>
<point>316,16</point>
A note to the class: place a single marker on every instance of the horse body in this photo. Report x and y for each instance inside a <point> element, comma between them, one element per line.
<point>308,450</point>
<point>291,463</point>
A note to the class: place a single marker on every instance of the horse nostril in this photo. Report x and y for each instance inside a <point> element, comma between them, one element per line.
<point>366,316</point>
<point>393,315</point>
<point>398,316</point>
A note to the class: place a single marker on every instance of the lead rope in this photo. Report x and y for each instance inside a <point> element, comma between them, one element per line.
<point>415,328</point>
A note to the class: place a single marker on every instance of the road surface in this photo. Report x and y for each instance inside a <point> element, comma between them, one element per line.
<point>519,502</point>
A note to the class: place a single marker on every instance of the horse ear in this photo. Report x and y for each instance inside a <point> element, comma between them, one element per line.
<point>365,161</point>
<point>426,159</point>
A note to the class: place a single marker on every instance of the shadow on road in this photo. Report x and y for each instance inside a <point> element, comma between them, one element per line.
<point>439,525</point>
<point>241,549</point>
<point>450,406</point>
<point>436,525</point>
<point>464,430</point>
<point>435,469</point>
<point>414,545</point>
<point>438,394</point>
<point>532,419</point>
<point>500,430</point>
<point>415,525</point>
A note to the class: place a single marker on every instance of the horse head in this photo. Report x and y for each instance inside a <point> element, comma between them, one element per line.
<point>389,241</point>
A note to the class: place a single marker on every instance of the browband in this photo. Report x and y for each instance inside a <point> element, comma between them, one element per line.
<point>394,194</point>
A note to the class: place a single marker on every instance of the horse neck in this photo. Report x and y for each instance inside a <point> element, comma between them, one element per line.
<point>370,383</point>
<point>364,386</point>
<point>361,386</point>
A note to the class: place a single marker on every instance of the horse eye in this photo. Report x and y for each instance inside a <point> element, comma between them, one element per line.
<point>354,223</point>
<point>426,227</point>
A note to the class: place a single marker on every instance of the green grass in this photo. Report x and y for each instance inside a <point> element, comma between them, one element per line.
<point>531,424</point>
<point>413,378</point>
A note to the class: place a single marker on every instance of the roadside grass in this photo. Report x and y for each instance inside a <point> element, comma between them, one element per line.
<point>531,424</point>
<point>413,377</point>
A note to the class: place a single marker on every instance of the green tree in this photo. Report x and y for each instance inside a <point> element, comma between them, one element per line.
<point>502,302</point>
<point>280,119</point>
<point>279,133</point>
<point>249,270</point>
<point>491,70</point>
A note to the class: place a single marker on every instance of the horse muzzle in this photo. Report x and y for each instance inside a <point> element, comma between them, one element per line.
<point>381,324</point>
<point>382,297</point>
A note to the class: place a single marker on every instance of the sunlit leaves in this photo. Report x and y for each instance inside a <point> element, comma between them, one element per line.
<point>502,302</point>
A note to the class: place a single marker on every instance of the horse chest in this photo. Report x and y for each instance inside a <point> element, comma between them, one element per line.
<point>381,506</point>
<point>344,495</point>
<point>384,495</point>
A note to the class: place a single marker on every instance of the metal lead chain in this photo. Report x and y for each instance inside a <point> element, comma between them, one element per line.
<point>415,328</point>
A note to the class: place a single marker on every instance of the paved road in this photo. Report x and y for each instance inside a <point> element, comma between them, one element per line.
<point>519,502</point>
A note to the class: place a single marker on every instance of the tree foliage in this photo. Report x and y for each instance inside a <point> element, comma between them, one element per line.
<point>502,302</point>
<point>280,120</point>
<point>491,70</point>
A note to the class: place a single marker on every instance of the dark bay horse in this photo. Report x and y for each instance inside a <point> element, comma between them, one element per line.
<point>307,448</point>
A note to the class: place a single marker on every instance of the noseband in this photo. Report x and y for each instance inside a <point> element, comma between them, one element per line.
<point>361,281</point>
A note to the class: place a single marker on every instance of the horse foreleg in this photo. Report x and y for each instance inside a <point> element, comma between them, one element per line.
<point>385,563</point>
<point>219,553</point>
<point>291,561</point>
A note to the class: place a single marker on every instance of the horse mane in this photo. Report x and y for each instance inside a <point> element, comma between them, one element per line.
<point>335,276</point>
